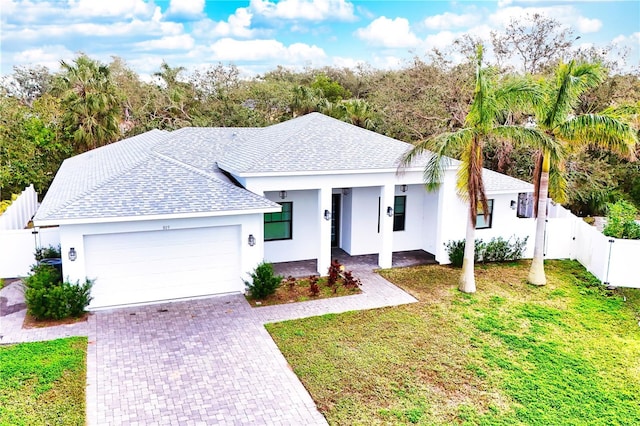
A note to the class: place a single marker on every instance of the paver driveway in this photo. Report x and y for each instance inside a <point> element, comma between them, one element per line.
<point>207,361</point>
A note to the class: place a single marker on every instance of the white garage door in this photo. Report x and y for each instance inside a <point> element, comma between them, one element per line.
<point>151,266</point>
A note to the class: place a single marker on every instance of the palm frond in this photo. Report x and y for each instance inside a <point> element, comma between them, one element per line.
<point>602,132</point>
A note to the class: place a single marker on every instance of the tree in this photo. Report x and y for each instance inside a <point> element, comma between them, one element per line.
<point>538,41</point>
<point>482,123</point>
<point>27,83</point>
<point>92,111</point>
<point>556,118</point>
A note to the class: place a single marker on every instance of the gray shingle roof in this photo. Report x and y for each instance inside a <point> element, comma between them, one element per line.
<point>313,142</point>
<point>497,182</point>
<point>161,173</point>
<point>132,178</point>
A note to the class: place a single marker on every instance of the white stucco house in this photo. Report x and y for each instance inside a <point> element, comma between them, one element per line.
<point>170,215</point>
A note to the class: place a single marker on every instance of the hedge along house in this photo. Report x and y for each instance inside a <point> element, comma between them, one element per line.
<point>188,213</point>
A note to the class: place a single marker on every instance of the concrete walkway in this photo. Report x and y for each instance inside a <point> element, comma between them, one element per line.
<point>207,361</point>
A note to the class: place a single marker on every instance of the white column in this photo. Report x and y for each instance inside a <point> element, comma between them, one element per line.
<point>387,193</point>
<point>324,230</point>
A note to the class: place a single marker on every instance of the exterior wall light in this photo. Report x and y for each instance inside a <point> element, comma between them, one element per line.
<point>72,254</point>
<point>346,191</point>
<point>404,188</point>
<point>327,215</point>
<point>513,204</point>
<point>252,240</point>
<point>283,195</point>
<point>389,211</point>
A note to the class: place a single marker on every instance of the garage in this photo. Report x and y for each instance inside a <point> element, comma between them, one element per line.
<point>151,266</point>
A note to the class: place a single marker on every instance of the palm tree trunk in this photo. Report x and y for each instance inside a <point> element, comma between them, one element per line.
<point>467,278</point>
<point>536,273</point>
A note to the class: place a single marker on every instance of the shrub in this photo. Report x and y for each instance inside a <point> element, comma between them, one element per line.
<point>48,297</point>
<point>335,269</point>
<point>314,288</point>
<point>263,282</point>
<point>350,281</point>
<point>50,252</point>
<point>455,249</point>
<point>496,250</point>
<point>621,221</point>
<point>501,250</point>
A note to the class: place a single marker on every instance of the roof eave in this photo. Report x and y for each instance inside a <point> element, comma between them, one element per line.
<point>119,219</point>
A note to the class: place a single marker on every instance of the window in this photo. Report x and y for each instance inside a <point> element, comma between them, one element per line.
<point>399,215</point>
<point>277,226</point>
<point>525,205</point>
<point>483,222</point>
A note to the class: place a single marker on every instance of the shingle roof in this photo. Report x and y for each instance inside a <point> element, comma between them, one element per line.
<point>313,142</point>
<point>160,173</point>
<point>132,178</point>
<point>497,182</point>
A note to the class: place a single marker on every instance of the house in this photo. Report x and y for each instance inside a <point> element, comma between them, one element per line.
<point>170,215</point>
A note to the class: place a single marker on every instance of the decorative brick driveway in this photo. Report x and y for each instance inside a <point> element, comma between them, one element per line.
<point>198,362</point>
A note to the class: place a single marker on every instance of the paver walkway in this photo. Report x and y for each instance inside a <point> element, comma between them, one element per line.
<point>207,361</point>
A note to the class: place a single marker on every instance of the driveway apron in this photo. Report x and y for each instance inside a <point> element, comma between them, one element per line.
<point>206,361</point>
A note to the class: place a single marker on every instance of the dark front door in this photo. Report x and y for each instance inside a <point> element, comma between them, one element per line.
<point>335,220</point>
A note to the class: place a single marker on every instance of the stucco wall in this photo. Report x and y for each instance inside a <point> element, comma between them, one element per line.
<point>304,242</point>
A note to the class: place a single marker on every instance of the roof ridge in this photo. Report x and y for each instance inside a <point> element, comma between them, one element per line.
<point>186,166</point>
<point>98,185</point>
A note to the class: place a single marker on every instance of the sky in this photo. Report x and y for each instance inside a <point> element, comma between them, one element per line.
<point>258,35</point>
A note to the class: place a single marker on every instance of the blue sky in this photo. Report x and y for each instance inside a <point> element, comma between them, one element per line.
<point>258,35</point>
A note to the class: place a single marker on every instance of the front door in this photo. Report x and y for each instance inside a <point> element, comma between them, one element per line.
<point>335,220</point>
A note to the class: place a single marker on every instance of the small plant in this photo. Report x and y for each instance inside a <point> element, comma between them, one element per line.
<point>314,288</point>
<point>350,281</point>
<point>50,252</point>
<point>263,282</point>
<point>335,269</point>
<point>621,221</point>
<point>48,297</point>
<point>291,282</point>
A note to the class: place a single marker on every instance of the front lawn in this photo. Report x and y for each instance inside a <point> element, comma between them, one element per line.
<point>43,383</point>
<point>565,353</point>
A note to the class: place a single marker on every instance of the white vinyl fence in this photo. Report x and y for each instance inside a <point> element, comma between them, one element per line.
<point>17,249</point>
<point>614,261</point>
<point>20,212</point>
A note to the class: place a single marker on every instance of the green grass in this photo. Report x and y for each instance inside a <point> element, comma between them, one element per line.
<point>43,383</point>
<point>563,354</point>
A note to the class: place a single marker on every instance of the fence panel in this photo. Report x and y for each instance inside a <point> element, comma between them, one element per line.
<point>623,270</point>
<point>17,248</point>
<point>20,212</point>
<point>559,238</point>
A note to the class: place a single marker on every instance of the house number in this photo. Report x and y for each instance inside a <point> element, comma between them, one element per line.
<point>165,227</point>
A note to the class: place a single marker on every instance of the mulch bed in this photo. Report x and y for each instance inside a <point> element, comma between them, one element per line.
<point>30,322</point>
<point>300,292</point>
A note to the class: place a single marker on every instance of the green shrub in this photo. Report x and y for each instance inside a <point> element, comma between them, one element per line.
<point>48,297</point>
<point>621,221</point>
<point>263,282</point>
<point>496,250</point>
<point>455,249</point>
<point>501,250</point>
<point>50,252</point>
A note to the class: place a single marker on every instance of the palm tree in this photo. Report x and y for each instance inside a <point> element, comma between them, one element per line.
<point>92,108</point>
<point>483,122</point>
<point>555,118</point>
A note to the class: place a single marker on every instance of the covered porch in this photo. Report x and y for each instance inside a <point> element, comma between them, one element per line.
<point>304,268</point>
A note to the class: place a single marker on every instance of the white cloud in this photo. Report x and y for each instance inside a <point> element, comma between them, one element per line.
<point>237,25</point>
<point>48,56</point>
<point>352,63</point>
<point>387,32</point>
<point>111,8</point>
<point>228,49</point>
<point>448,20</point>
<point>566,15</point>
<point>312,10</point>
<point>586,25</point>
<point>185,8</point>
<point>183,41</point>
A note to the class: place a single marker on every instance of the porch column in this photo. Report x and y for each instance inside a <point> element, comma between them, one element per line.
<point>387,193</point>
<point>324,229</point>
